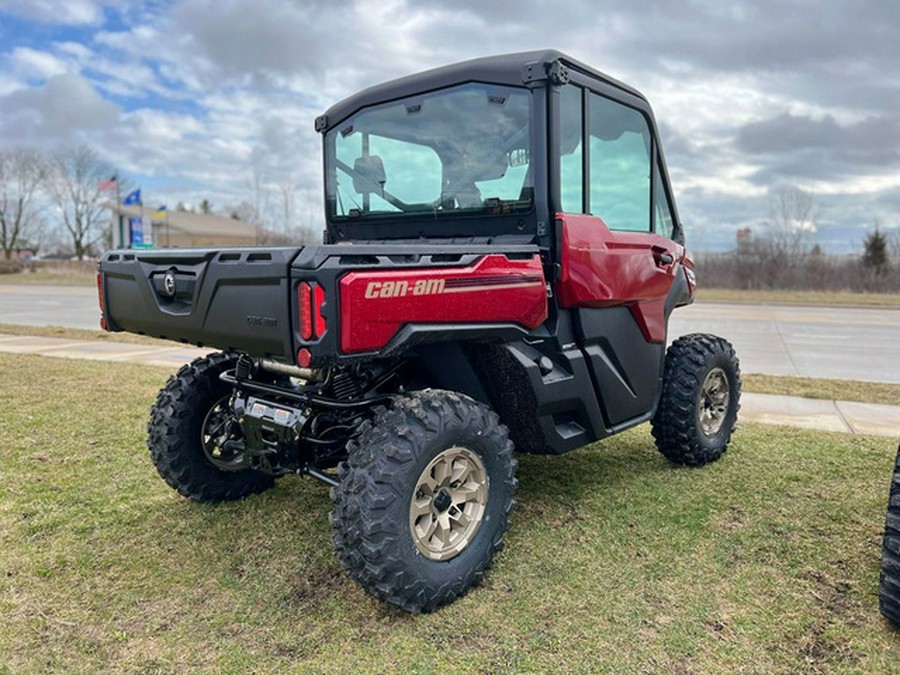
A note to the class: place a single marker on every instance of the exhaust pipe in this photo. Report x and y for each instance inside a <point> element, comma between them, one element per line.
<point>308,374</point>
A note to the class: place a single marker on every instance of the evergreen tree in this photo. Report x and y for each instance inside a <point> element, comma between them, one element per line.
<point>875,255</point>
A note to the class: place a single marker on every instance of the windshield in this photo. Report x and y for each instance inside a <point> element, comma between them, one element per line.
<point>461,149</point>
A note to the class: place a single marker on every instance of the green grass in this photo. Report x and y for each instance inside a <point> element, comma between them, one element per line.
<point>827,298</point>
<point>83,334</point>
<point>62,278</point>
<point>832,390</point>
<point>766,561</point>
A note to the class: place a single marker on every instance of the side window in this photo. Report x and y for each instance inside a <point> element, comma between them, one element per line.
<point>571,165</point>
<point>619,160</point>
<point>662,222</point>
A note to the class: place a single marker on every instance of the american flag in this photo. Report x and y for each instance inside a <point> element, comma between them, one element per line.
<point>108,184</point>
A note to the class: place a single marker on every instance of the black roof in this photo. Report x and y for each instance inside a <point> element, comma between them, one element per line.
<point>509,69</point>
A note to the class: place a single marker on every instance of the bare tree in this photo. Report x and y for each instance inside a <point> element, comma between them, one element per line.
<point>777,259</point>
<point>260,201</point>
<point>792,215</point>
<point>287,191</point>
<point>75,189</point>
<point>894,243</point>
<point>244,212</point>
<point>22,171</point>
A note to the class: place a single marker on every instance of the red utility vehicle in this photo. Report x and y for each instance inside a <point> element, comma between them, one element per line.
<point>501,256</point>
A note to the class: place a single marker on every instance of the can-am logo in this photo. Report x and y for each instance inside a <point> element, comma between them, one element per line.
<point>402,288</point>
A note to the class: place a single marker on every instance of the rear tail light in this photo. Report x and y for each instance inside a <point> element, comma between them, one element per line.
<point>319,299</point>
<point>304,301</point>
<point>310,298</point>
<point>100,297</point>
<point>102,301</point>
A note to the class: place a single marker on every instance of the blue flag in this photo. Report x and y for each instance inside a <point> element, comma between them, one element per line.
<point>134,197</point>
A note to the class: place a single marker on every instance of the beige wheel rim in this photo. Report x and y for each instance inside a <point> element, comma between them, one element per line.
<point>713,408</point>
<point>448,503</point>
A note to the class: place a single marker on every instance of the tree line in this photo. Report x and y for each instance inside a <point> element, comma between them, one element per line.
<point>781,257</point>
<point>37,187</point>
<point>61,199</point>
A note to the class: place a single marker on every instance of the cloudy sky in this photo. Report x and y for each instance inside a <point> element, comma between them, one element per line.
<point>191,99</point>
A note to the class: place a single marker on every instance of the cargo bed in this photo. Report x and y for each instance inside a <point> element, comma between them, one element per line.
<point>227,298</point>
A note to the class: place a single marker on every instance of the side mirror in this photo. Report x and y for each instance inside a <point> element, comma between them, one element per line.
<point>368,174</point>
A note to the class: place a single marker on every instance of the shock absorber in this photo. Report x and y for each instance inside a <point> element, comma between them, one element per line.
<point>344,385</point>
<point>244,367</point>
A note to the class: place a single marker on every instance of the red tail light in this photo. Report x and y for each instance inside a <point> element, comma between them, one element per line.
<point>304,302</point>
<point>310,298</point>
<point>102,301</point>
<point>319,299</point>
<point>304,357</point>
<point>100,292</point>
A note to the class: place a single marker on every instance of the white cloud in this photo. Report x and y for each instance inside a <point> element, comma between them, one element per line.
<point>9,84</point>
<point>33,64</point>
<point>58,110</point>
<point>72,12</point>
<point>206,91</point>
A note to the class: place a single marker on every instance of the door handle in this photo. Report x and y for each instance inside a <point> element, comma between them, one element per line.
<point>663,257</point>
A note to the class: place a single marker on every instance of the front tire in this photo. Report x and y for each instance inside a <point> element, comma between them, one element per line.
<point>700,400</point>
<point>889,591</point>
<point>423,499</point>
<point>187,414</point>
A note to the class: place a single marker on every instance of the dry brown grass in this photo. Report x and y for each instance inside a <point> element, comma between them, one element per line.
<point>82,334</point>
<point>834,390</point>
<point>824,298</point>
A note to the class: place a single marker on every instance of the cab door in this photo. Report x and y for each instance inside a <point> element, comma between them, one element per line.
<point>619,263</point>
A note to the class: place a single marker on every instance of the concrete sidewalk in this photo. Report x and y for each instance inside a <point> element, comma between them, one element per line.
<point>96,350</point>
<point>820,414</point>
<point>807,413</point>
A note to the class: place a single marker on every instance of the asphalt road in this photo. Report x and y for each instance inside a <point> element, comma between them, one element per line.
<point>836,342</point>
<point>846,343</point>
<point>69,306</point>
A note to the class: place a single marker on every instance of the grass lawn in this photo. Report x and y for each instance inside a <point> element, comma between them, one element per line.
<point>766,561</point>
<point>832,298</point>
<point>832,390</point>
<point>73,278</point>
<point>83,334</point>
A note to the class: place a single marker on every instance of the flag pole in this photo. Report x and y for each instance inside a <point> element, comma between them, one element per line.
<point>119,213</point>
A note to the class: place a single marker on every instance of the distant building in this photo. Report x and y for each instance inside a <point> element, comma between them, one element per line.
<point>24,253</point>
<point>744,240</point>
<point>136,227</point>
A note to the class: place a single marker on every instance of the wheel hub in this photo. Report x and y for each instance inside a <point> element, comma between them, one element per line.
<point>214,432</point>
<point>443,501</point>
<point>714,399</point>
<point>448,503</point>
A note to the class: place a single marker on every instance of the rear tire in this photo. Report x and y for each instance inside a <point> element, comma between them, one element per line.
<point>423,499</point>
<point>889,592</point>
<point>183,413</point>
<point>700,400</point>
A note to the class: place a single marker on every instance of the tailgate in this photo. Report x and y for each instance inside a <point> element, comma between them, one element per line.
<point>225,298</point>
